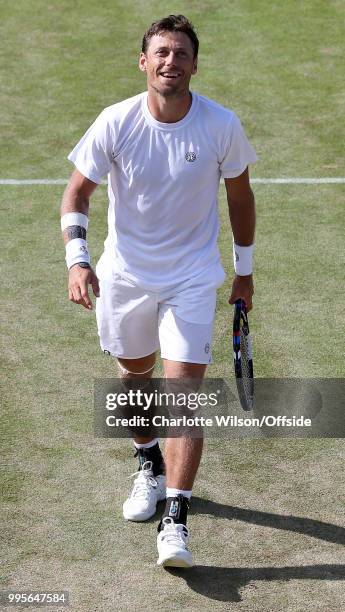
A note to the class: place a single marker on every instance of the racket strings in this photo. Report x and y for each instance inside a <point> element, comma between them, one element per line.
<point>246,391</point>
<point>243,356</point>
<point>246,356</point>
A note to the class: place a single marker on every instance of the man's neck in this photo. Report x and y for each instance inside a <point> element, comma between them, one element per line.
<point>168,109</point>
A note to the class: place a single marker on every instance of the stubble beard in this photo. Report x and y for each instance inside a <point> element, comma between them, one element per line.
<point>171,93</point>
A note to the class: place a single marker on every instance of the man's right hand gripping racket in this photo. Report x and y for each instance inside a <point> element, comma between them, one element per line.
<point>243,356</point>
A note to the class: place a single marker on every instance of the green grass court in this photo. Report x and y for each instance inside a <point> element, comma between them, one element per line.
<point>268,515</point>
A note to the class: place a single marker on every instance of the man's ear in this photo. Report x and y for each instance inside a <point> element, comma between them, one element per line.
<point>142,62</point>
<point>195,67</point>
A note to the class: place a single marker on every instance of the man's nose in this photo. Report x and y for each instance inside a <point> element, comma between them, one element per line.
<point>171,58</point>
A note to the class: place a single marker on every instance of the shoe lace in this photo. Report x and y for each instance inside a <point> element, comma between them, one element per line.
<point>174,533</point>
<point>144,481</point>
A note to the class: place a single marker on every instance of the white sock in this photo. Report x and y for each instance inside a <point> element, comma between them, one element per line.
<point>170,492</point>
<point>147,444</point>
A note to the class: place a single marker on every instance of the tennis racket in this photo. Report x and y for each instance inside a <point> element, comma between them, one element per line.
<point>243,356</point>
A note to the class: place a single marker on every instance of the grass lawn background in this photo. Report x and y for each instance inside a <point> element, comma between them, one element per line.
<point>279,66</point>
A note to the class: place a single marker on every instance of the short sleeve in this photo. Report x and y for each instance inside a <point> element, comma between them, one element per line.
<point>92,156</point>
<point>237,152</point>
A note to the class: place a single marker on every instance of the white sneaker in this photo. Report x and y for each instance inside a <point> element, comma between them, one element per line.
<point>147,491</point>
<point>172,542</point>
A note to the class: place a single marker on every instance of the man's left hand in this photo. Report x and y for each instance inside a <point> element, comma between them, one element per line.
<point>242,287</point>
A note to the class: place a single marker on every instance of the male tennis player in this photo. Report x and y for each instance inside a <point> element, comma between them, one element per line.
<point>164,152</point>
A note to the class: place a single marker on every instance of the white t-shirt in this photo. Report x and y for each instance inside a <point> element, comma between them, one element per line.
<point>163,181</point>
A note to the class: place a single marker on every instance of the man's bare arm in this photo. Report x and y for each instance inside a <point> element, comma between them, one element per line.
<point>76,200</point>
<point>77,195</point>
<point>241,204</point>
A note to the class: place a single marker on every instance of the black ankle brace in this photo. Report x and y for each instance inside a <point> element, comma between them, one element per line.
<point>153,454</point>
<point>177,509</point>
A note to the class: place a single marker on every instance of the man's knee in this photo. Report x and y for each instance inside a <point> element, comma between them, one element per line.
<point>183,370</point>
<point>136,379</point>
<point>137,367</point>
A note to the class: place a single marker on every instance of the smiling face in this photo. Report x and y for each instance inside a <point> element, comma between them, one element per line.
<point>169,64</point>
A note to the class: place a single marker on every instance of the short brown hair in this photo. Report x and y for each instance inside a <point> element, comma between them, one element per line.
<point>172,23</point>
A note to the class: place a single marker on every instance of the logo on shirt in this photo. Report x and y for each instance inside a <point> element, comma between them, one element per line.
<point>190,156</point>
<point>207,348</point>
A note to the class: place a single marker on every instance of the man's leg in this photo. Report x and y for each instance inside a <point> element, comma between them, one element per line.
<point>138,368</point>
<point>182,458</point>
<point>149,486</point>
<point>127,320</point>
<point>182,454</point>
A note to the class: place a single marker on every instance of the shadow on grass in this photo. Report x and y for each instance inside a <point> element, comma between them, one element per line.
<point>306,526</point>
<point>225,583</point>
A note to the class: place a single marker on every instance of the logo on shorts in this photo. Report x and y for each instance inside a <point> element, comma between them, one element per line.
<point>190,156</point>
<point>237,257</point>
<point>207,348</point>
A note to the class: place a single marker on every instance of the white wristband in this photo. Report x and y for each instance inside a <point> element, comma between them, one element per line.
<point>74,218</point>
<point>243,259</point>
<point>76,252</point>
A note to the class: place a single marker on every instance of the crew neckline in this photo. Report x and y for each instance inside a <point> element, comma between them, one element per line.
<point>169,126</point>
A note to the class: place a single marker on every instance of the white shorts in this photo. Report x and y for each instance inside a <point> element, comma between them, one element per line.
<point>133,322</point>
